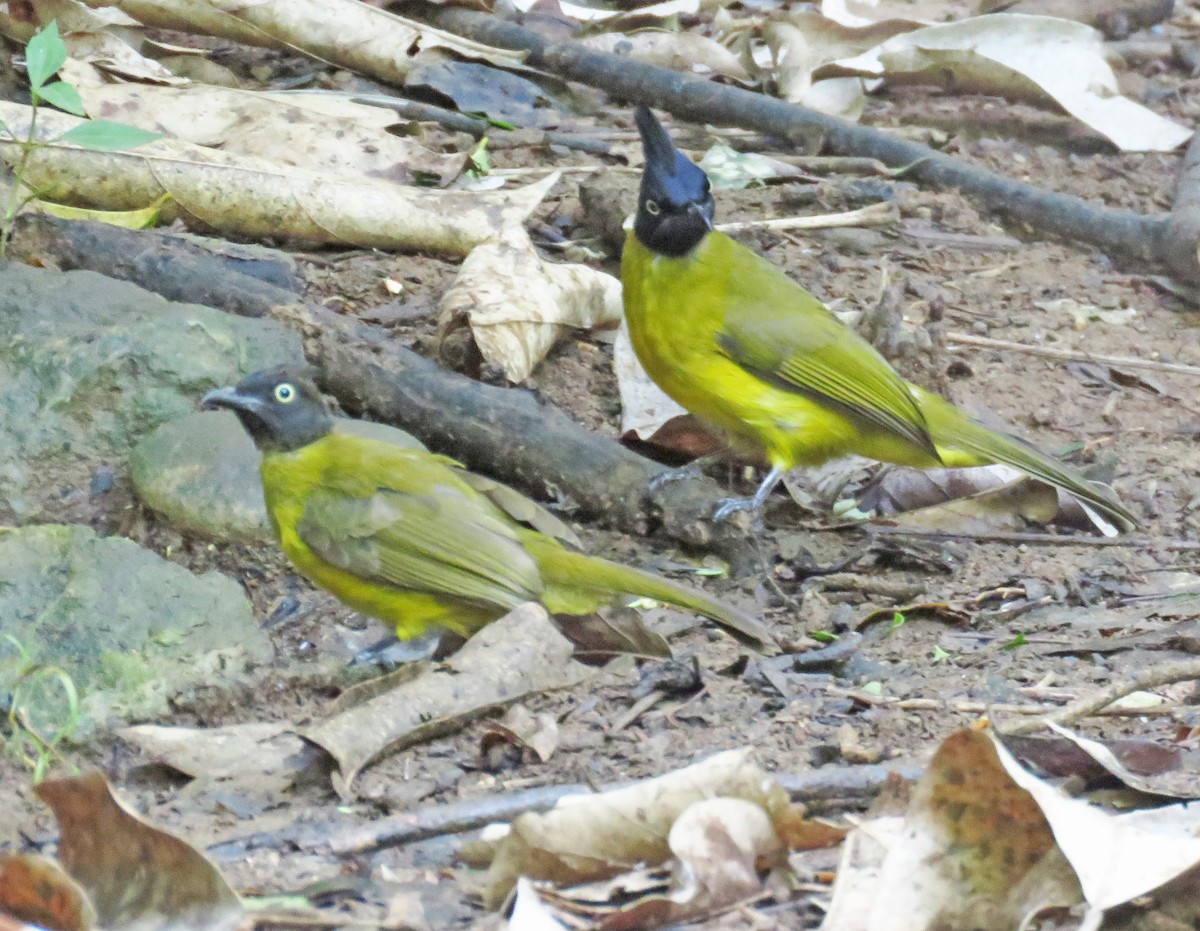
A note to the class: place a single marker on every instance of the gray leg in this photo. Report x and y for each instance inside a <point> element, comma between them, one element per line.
<point>755,503</point>
<point>391,651</point>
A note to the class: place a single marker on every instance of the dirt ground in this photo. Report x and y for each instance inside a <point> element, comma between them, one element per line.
<point>1023,619</point>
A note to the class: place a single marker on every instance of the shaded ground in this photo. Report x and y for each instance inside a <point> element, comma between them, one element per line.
<point>1139,431</point>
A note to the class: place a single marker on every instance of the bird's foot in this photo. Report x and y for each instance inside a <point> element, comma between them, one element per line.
<point>727,507</point>
<point>693,469</point>
<point>391,651</point>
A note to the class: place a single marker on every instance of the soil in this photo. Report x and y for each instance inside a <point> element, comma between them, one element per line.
<point>962,621</point>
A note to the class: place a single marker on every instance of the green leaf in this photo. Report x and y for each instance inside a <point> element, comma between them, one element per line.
<point>874,687</point>
<point>107,136</point>
<point>1017,641</point>
<point>939,654</point>
<point>44,55</point>
<point>823,636</point>
<point>898,621</point>
<point>62,95</point>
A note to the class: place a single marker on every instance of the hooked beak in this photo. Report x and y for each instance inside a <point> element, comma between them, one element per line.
<point>229,398</point>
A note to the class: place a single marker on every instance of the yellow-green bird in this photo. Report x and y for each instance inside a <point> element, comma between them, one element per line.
<point>739,344</point>
<point>413,538</point>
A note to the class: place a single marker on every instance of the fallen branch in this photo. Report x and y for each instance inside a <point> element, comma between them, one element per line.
<point>1118,232</point>
<point>882,214</point>
<point>1072,355</point>
<point>504,432</point>
<point>1039,539</point>
<point>829,782</point>
<point>1165,674</point>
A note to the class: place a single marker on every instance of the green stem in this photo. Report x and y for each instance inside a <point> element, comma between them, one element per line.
<point>27,147</point>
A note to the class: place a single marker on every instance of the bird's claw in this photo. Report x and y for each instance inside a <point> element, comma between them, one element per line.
<point>391,651</point>
<point>666,477</point>
<point>730,506</point>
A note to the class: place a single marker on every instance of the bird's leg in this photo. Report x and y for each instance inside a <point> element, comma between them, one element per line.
<point>755,503</point>
<point>391,651</point>
<point>691,469</point>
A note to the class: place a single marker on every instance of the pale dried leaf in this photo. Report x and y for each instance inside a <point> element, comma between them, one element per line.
<point>521,727</point>
<point>518,305</point>
<point>915,12</point>
<point>321,132</point>
<point>1023,57</point>
<point>519,655</point>
<point>720,845</point>
<point>597,836</point>
<point>530,913</point>
<point>249,197</point>
<point>105,37</point>
<point>353,35</point>
<point>645,408</point>
<point>680,51</point>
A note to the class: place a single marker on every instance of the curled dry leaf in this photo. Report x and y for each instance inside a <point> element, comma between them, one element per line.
<point>353,35</point>
<point>517,305</point>
<point>521,727</point>
<point>912,12</point>
<point>721,844</point>
<point>251,197</point>
<point>681,51</point>
<point>1036,58</point>
<point>598,836</point>
<point>36,891</point>
<point>590,14</point>
<point>133,873</point>
<point>519,655</point>
<point>320,132</point>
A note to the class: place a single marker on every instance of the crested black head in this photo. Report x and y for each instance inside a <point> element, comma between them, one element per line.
<point>675,206</point>
<point>280,408</point>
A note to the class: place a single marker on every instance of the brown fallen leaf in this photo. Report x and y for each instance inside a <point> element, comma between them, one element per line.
<point>522,728</point>
<point>37,891</point>
<point>519,655</point>
<point>134,873</point>
<point>598,836</point>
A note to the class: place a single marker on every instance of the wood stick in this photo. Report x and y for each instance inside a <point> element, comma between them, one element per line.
<point>881,214</point>
<point>1072,355</point>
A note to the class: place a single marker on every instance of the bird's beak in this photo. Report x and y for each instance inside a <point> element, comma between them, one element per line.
<point>229,398</point>
<point>698,210</point>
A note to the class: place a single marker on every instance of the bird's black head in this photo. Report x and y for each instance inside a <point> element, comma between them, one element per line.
<point>675,206</point>
<point>280,408</point>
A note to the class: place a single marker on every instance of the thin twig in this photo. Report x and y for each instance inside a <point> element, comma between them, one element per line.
<point>1038,539</point>
<point>881,214</point>
<point>1072,355</point>
<point>1165,674</point>
<point>980,707</point>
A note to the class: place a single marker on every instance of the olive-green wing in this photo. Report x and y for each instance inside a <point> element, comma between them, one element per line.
<point>520,508</point>
<point>779,332</point>
<point>442,540</point>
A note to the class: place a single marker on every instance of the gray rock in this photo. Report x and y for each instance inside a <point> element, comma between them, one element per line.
<point>89,364</point>
<point>201,473</point>
<point>132,631</point>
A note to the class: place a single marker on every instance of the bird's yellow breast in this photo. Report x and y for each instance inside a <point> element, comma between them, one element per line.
<point>675,309</point>
<point>289,481</point>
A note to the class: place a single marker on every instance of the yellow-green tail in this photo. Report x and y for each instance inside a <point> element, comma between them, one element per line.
<point>578,584</point>
<point>962,441</point>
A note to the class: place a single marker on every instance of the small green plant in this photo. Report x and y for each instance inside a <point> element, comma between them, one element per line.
<point>898,621</point>
<point>823,636</point>
<point>36,743</point>
<point>939,655</point>
<point>1017,641</point>
<point>44,56</point>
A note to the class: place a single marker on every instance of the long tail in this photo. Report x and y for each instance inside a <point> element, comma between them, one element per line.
<point>578,584</point>
<point>962,441</point>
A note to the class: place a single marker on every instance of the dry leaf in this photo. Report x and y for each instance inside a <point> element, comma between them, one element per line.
<point>353,35</point>
<point>520,654</point>
<point>597,836</point>
<point>321,132</point>
<point>1034,58</point>
<point>680,51</point>
<point>37,891</point>
<point>721,844</point>
<point>249,197</point>
<point>522,728</point>
<point>258,757</point>
<point>588,14</point>
<point>973,851</point>
<point>133,873</point>
<point>517,304</point>
<point>860,13</point>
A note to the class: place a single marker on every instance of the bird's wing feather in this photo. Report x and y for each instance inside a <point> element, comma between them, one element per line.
<point>434,536</point>
<point>776,330</point>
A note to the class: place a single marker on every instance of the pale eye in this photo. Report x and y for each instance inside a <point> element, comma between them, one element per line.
<point>652,208</point>
<point>285,393</point>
